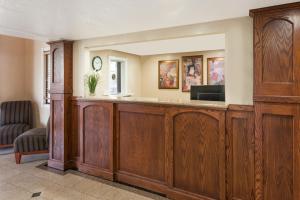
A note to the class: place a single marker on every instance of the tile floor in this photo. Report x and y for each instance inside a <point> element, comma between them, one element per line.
<point>21,181</point>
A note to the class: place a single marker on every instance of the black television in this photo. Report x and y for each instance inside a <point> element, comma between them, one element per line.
<point>208,92</point>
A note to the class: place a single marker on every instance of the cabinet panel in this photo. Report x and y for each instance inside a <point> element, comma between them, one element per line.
<point>240,153</point>
<point>141,145</point>
<point>277,51</point>
<point>96,139</point>
<point>277,151</point>
<point>197,154</point>
<point>60,140</point>
<point>61,53</point>
<point>276,61</point>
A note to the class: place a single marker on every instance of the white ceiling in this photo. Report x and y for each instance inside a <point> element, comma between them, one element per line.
<point>81,19</point>
<point>188,44</point>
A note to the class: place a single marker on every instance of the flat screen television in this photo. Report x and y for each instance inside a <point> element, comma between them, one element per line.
<point>208,92</point>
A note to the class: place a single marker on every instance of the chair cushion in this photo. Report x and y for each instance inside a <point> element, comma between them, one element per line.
<point>31,140</point>
<point>8,133</point>
<point>16,112</point>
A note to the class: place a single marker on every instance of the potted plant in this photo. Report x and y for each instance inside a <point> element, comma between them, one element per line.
<point>91,81</point>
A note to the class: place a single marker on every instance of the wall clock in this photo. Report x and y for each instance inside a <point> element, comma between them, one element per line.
<point>97,63</point>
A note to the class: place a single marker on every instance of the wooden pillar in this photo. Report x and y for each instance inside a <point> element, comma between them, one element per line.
<point>60,108</point>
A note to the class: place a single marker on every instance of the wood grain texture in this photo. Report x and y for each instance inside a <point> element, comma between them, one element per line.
<point>96,139</point>
<point>75,154</point>
<point>61,88</point>
<point>196,154</point>
<point>277,98</point>
<point>240,153</point>
<point>276,61</point>
<point>141,144</point>
<point>277,51</point>
<point>277,155</point>
<point>61,53</point>
<point>60,131</point>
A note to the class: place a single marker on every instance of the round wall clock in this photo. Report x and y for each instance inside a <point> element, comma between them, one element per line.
<point>97,63</point>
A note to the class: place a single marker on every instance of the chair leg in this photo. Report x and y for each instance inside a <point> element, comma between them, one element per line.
<point>18,158</point>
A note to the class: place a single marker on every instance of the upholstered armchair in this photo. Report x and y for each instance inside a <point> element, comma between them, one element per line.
<point>33,141</point>
<point>15,119</point>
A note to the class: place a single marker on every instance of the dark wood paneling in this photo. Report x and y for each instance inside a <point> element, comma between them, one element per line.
<point>75,132</point>
<point>141,145</point>
<point>60,131</point>
<point>196,153</point>
<point>277,98</point>
<point>57,127</point>
<point>277,155</point>
<point>276,43</point>
<point>96,139</point>
<point>61,53</point>
<point>58,61</point>
<point>240,152</point>
<point>277,57</point>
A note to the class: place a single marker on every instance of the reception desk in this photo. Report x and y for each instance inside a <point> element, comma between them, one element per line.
<point>176,148</point>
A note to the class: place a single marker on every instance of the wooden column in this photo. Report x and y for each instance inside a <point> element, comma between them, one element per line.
<point>277,101</point>
<point>60,108</point>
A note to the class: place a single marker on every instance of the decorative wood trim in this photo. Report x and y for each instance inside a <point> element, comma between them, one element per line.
<point>142,182</point>
<point>242,108</point>
<point>275,8</point>
<point>280,146</point>
<point>277,99</point>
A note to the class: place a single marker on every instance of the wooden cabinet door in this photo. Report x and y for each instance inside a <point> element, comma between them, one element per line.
<point>196,155</point>
<point>277,151</point>
<point>276,52</point>
<point>61,66</point>
<point>141,146</point>
<point>96,139</point>
<point>240,153</point>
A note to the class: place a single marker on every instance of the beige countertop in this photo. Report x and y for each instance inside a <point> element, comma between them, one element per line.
<point>196,103</point>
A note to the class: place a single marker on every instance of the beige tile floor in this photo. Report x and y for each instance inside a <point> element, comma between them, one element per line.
<point>21,181</point>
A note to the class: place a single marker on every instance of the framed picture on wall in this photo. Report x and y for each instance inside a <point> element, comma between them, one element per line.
<point>168,74</point>
<point>215,71</point>
<point>192,72</point>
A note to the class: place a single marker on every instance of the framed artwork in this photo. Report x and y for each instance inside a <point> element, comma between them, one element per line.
<point>192,72</point>
<point>215,71</point>
<point>168,74</point>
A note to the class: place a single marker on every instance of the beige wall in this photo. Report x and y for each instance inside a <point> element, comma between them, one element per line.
<point>150,74</point>
<point>12,69</point>
<point>133,76</point>
<point>35,74</point>
<point>21,74</point>
<point>238,53</point>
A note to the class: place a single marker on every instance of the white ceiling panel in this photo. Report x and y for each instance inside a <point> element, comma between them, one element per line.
<point>82,19</point>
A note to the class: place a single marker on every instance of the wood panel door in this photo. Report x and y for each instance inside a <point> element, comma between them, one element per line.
<point>240,153</point>
<point>61,66</point>
<point>96,139</point>
<point>60,128</point>
<point>277,151</point>
<point>196,152</point>
<point>141,148</point>
<point>276,52</point>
